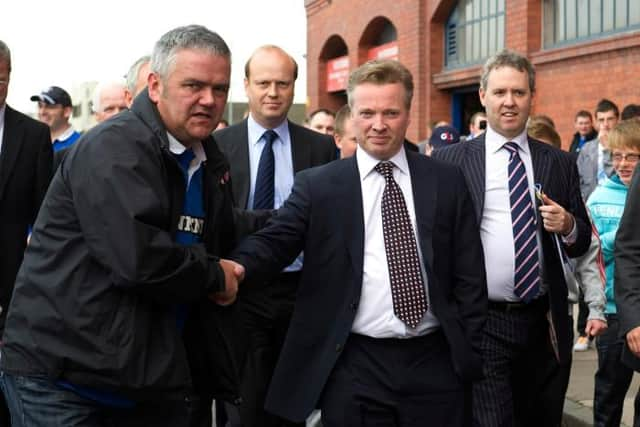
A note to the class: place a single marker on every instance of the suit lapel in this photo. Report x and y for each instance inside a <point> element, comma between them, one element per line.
<point>474,167</point>
<point>300,149</point>
<point>540,167</point>
<point>238,153</point>
<point>11,145</point>
<point>349,197</point>
<point>424,183</point>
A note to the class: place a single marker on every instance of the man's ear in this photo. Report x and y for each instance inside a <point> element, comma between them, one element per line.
<point>154,84</point>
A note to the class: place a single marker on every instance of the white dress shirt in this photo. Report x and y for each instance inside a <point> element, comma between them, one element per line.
<point>283,173</point>
<point>375,317</point>
<point>496,229</point>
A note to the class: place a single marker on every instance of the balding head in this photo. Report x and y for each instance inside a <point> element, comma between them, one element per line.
<point>270,74</point>
<point>270,49</point>
<point>109,98</point>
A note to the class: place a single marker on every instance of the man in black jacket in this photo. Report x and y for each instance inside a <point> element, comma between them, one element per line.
<point>118,312</point>
<point>25,170</point>
<point>584,131</point>
<point>627,274</point>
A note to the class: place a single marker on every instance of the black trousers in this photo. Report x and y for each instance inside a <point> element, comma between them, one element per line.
<point>395,383</point>
<point>612,379</point>
<point>524,385</point>
<point>5,419</point>
<point>265,313</point>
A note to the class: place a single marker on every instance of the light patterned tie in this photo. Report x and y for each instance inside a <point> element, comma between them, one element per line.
<point>407,286</point>
<point>526,274</point>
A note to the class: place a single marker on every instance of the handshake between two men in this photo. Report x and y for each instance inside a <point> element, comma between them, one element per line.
<point>233,275</point>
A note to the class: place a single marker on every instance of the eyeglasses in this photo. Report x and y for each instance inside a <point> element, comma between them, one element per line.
<point>629,157</point>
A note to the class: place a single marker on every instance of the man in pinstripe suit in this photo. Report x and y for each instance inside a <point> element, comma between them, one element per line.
<point>526,339</point>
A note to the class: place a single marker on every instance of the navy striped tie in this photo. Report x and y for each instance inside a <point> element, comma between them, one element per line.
<point>264,192</point>
<point>526,274</point>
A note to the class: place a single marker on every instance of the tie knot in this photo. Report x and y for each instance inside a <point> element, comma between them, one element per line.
<point>269,136</point>
<point>511,147</point>
<point>385,169</point>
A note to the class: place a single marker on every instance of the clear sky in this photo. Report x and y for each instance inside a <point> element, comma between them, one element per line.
<point>67,42</point>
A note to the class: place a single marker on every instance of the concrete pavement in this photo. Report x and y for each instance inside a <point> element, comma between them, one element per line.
<point>578,408</point>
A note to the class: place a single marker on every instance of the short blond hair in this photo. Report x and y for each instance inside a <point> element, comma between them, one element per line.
<point>381,72</point>
<point>626,134</point>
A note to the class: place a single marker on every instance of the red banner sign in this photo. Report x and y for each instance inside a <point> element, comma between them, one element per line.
<point>337,73</point>
<point>384,51</point>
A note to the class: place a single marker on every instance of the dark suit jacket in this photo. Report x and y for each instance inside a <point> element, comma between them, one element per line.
<point>324,217</point>
<point>25,171</point>
<point>308,148</point>
<point>556,171</point>
<point>627,268</point>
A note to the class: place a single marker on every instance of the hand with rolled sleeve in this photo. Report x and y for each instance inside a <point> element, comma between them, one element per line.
<point>233,275</point>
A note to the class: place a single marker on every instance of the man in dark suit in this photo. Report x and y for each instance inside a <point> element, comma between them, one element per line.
<point>25,170</point>
<point>526,343</point>
<point>392,300</point>
<point>262,179</point>
<point>627,273</point>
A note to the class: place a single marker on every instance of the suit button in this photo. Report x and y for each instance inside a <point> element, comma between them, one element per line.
<point>338,348</point>
<point>353,306</point>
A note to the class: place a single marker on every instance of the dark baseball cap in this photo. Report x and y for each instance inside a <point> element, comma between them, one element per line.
<point>53,95</point>
<point>443,136</point>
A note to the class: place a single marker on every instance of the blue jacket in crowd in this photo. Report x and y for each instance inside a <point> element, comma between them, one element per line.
<point>606,205</point>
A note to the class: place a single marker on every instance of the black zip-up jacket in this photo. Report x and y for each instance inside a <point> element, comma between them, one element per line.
<point>573,148</point>
<point>94,299</point>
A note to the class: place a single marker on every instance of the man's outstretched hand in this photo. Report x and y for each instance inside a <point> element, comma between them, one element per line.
<point>233,275</point>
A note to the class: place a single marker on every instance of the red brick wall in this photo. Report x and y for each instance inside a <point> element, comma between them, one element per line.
<point>568,79</point>
<point>348,19</point>
<point>579,82</point>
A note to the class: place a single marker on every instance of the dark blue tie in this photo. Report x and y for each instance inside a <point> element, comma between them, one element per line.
<point>526,274</point>
<point>184,159</point>
<point>264,191</point>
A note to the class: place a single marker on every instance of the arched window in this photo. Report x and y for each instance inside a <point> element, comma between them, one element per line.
<point>571,21</point>
<point>333,73</point>
<point>474,31</point>
<point>335,57</point>
<point>379,40</point>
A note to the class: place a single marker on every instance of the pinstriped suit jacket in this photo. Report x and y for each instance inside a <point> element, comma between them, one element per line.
<point>556,171</point>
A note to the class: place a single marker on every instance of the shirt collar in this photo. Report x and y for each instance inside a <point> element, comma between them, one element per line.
<point>65,135</point>
<point>257,130</point>
<point>177,148</point>
<point>494,141</point>
<point>366,162</point>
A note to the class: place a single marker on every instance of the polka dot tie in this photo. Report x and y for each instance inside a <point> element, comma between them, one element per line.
<point>407,286</point>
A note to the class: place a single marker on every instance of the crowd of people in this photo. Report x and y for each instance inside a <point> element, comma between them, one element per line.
<point>166,261</point>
